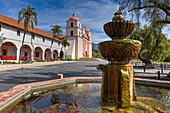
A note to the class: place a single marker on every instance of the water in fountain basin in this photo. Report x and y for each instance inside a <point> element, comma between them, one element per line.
<point>85,98</point>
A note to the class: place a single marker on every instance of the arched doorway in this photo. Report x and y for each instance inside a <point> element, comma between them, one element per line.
<point>8,51</point>
<point>47,54</point>
<point>26,52</point>
<point>61,55</point>
<point>55,55</point>
<point>38,53</point>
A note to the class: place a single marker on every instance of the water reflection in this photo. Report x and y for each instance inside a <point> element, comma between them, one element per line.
<point>77,98</point>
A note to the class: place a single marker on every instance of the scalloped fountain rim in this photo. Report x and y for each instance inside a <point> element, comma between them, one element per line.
<point>11,97</point>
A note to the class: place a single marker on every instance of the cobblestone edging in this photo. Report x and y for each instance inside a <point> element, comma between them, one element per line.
<point>11,97</point>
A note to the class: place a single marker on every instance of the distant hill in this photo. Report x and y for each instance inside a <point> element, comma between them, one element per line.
<point>94,46</point>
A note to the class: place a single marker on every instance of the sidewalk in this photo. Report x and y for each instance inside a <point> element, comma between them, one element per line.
<point>35,64</point>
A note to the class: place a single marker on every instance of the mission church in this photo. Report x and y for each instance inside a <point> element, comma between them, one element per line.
<point>37,42</point>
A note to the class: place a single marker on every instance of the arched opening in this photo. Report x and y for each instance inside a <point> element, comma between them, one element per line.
<point>55,55</point>
<point>8,51</point>
<point>86,54</point>
<point>71,24</point>
<point>47,54</point>
<point>71,33</point>
<point>38,53</point>
<point>26,52</point>
<point>61,55</point>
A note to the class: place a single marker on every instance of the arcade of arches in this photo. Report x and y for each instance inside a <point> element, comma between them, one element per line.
<point>9,51</point>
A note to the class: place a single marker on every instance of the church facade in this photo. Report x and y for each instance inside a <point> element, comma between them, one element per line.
<point>37,42</point>
<point>79,38</point>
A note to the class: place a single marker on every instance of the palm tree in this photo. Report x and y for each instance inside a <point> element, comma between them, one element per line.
<point>29,17</point>
<point>64,43</point>
<point>56,31</point>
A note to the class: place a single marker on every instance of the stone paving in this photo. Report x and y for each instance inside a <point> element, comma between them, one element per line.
<point>11,78</point>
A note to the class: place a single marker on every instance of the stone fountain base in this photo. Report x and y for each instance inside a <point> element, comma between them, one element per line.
<point>117,84</point>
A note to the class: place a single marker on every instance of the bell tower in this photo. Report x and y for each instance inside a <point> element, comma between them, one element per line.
<point>73,28</point>
<point>74,37</point>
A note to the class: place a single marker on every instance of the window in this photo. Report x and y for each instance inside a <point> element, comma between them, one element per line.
<point>71,24</point>
<point>79,26</point>
<point>18,32</point>
<point>0,27</point>
<point>58,43</point>
<point>33,36</point>
<point>71,33</point>
<point>79,33</point>
<point>43,39</point>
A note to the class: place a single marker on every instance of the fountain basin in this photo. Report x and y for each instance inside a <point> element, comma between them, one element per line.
<point>17,93</point>
<point>119,50</point>
<point>85,98</point>
<point>119,28</point>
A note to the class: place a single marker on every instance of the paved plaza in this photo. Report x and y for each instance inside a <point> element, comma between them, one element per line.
<point>11,78</point>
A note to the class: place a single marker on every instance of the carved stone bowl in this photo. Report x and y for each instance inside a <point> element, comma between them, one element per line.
<point>119,50</point>
<point>119,29</point>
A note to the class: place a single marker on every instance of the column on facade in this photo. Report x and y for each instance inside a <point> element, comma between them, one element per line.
<point>52,54</point>
<point>88,49</point>
<point>32,54</point>
<point>18,51</point>
<point>43,54</point>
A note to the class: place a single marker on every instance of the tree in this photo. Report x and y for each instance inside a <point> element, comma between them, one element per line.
<point>64,43</point>
<point>154,43</point>
<point>96,54</point>
<point>157,11</point>
<point>167,59</point>
<point>56,31</point>
<point>29,17</point>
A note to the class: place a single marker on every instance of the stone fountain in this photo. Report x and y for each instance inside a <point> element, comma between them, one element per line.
<point>117,76</point>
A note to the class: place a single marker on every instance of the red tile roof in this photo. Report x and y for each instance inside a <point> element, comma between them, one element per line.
<point>14,23</point>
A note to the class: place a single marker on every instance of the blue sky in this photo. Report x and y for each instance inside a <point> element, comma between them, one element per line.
<point>92,13</point>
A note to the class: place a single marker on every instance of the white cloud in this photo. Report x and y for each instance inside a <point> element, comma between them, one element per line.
<point>99,37</point>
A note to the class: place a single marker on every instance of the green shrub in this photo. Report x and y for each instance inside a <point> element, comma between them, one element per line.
<point>63,59</point>
<point>52,59</point>
<point>28,61</point>
<point>39,60</point>
<point>8,62</point>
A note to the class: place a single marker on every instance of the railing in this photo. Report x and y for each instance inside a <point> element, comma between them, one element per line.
<point>4,57</point>
<point>38,58</point>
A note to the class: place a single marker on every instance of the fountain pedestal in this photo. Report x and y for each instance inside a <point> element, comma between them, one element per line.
<point>117,78</point>
<point>117,84</point>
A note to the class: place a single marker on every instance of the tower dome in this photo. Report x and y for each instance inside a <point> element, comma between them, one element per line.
<point>86,29</point>
<point>73,17</point>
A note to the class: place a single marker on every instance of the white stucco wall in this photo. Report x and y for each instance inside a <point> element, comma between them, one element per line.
<point>9,34</point>
<point>80,48</point>
<point>70,53</point>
